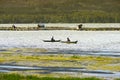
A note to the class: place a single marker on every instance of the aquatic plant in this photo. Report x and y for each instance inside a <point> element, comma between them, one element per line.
<point>89,62</point>
<point>75,57</point>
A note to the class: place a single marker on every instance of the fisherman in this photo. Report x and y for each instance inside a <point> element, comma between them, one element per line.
<point>14,26</point>
<point>68,39</point>
<point>52,39</point>
<point>38,25</point>
<point>80,26</point>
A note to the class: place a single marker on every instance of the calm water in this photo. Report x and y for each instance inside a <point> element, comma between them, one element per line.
<point>89,42</point>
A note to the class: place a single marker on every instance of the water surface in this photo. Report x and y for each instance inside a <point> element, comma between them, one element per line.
<point>89,42</point>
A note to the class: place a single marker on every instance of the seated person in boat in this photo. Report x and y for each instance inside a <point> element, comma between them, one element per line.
<point>68,39</point>
<point>52,39</point>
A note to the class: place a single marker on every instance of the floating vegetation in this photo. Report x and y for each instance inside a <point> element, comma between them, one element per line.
<point>89,62</point>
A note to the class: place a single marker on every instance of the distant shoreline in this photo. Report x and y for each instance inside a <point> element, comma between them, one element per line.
<point>57,28</point>
<point>61,26</point>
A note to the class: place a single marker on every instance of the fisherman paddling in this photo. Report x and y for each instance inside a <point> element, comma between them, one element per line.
<point>52,39</point>
<point>68,39</point>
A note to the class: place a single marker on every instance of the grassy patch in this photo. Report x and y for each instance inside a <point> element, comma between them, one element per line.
<point>20,77</point>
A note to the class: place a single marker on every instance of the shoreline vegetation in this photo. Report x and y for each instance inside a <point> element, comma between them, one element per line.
<point>34,77</point>
<point>55,11</point>
<point>14,76</point>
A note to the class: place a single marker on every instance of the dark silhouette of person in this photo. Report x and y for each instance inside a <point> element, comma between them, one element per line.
<point>68,39</point>
<point>52,39</point>
<point>80,26</point>
<point>14,26</point>
<point>38,25</point>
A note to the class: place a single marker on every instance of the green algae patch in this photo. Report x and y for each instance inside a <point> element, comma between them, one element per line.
<point>7,52</point>
<point>2,60</point>
<point>27,50</point>
<point>88,62</point>
<point>106,67</point>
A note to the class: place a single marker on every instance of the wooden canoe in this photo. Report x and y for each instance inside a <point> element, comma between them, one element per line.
<point>51,41</point>
<point>69,42</point>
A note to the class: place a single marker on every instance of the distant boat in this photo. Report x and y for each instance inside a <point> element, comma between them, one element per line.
<point>51,41</point>
<point>69,42</point>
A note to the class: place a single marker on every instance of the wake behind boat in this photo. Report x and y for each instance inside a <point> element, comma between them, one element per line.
<point>69,42</point>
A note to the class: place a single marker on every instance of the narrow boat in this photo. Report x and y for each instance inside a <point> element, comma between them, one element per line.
<point>69,42</point>
<point>51,41</point>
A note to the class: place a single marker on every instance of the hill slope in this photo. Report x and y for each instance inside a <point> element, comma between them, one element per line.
<point>24,11</point>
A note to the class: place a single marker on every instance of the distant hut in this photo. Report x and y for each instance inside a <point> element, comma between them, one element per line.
<point>80,26</point>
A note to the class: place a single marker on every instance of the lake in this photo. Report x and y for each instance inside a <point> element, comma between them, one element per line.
<point>95,43</point>
<point>89,42</point>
